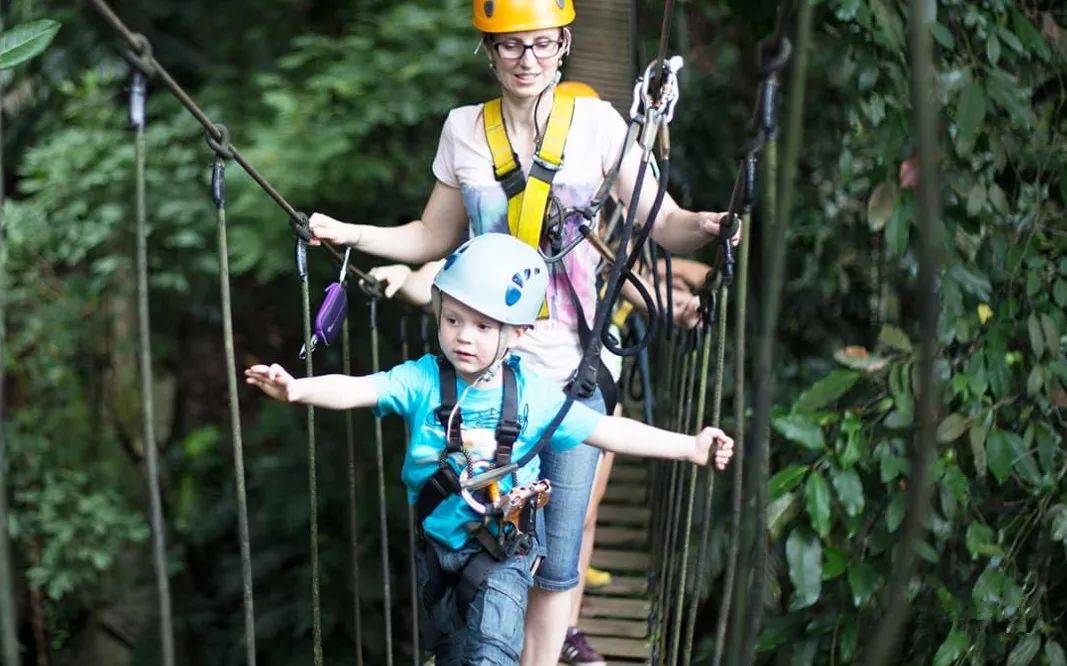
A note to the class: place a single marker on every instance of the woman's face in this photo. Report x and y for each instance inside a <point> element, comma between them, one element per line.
<point>526,62</point>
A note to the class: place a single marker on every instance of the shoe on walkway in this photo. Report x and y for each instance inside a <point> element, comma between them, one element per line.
<point>577,651</point>
<point>595,578</point>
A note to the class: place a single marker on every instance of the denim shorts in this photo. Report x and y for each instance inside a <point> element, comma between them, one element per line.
<point>571,473</point>
<point>492,631</point>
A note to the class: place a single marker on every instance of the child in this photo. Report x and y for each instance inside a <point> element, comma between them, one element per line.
<point>479,549</point>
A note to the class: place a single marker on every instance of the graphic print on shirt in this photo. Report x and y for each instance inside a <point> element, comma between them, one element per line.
<point>479,429</point>
<point>488,208</point>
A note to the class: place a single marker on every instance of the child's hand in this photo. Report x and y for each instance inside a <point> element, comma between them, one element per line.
<point>394,276</point>
<point>709,440</point>
<point>274,380</point>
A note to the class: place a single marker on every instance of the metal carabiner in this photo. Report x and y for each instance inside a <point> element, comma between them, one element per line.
<point>465,476</point>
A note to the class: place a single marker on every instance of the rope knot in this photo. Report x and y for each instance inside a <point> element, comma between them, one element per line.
<point>140,56</point>
<point>220,143</point>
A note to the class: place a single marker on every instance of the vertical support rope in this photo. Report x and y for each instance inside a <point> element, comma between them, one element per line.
<point>9,654</point>
<point>148,430</point>
<point>353,522</point>
<point>705,356</point>
<point>313,490</point>
<point>383,513</point>
<point>217,189</point>
<point>928,212</point>
<point>776,240</point>
<point>405,350</point>
<point>739,441</point>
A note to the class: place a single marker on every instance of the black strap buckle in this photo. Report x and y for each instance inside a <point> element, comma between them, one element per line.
<point>513,182</point>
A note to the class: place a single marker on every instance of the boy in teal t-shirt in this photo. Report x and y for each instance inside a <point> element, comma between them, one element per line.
<point>475,563</point>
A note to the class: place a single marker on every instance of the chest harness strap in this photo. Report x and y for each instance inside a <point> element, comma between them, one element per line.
<point>445,481</point>
<point>528,196</point>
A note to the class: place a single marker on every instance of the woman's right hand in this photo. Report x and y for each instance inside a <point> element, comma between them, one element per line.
<point>326,228</point>
<point>394,276</point>
<point>273,380</point>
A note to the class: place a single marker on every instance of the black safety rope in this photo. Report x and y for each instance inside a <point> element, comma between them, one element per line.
<point>141,56</point>
<point>9,655</point>
<point>353,514</point>
<point>138,87</point>
<point>218,194</point>
<point>301,250</point>
<point>382,511</point>
<point>924,103</point>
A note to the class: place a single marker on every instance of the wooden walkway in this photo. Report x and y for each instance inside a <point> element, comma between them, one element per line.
<point>615,617</point>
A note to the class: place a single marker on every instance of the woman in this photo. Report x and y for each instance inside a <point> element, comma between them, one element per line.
<point>526,42</point>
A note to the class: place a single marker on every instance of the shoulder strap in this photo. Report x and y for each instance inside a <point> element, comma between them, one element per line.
<point>507,430</point>
<point>453,437</point>
<point>528,197</point>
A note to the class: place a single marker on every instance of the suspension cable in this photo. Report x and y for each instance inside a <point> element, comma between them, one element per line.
<point>353,514</point>
<point>148,430</point>
<point>382,512</point>
<point>218,172</point>
<point>141,55</point>
<point>9,656</point>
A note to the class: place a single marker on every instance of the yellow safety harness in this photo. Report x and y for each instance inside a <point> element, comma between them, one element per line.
<point>528,196</point>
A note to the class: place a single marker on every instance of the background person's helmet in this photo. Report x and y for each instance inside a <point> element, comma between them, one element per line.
<point>497,275</point>
<point>521,15</point>
<point>577,89</point>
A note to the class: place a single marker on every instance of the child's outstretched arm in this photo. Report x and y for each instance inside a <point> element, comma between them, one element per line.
<point>327,391</point>
<point>630,437</point>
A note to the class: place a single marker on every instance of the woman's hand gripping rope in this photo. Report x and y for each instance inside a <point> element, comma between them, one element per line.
<point>712,442</point>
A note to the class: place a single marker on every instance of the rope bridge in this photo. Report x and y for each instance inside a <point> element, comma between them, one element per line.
<point>656,517</point>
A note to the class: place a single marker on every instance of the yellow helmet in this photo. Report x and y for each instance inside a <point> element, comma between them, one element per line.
<point>577,89</point>
<point>521,15</point>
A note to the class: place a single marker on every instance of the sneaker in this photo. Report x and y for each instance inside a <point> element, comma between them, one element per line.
<point>595,578</point>
<point>577,652</point>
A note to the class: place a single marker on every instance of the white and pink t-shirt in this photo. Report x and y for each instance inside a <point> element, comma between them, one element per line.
<point>463,161</point>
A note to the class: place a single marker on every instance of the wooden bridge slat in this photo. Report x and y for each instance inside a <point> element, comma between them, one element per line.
<point>595,626</point>
<point>626,493</point>
<point>629,648</point>
<point>614,514</point>
<point>618,607</point>
<point>620,585</point>
<point>621,536</point>
<point>620,560</point>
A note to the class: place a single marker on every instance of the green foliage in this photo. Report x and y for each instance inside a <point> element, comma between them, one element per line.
<point>25,41</point>
<point>987,590</point>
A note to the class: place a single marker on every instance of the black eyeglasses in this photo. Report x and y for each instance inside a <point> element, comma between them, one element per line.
<point>513,49</point>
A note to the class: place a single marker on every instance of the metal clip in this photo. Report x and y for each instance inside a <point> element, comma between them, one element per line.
<point>343,277</point>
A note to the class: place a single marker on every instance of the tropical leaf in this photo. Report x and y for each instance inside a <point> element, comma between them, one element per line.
<point>25,41</point>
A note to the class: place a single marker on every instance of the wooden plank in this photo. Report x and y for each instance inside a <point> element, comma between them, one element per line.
<point>620,560</point>
<point>628,473</point>
<point>618,607</point>
<point>621,536</point>
<point>627,586</point>
<point>614,514</point>
<point>620,493</point>
<point>595,626</point>
<point>629,648</point>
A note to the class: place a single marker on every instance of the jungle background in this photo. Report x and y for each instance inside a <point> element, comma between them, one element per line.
<point>340,106</point>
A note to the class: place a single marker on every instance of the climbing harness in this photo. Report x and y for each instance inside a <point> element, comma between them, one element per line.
<point>332,312</point>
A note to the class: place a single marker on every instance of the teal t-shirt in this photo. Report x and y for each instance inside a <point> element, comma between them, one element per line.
<point>413,390</point>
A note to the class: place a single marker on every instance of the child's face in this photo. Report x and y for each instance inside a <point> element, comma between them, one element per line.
<point>469,339</point>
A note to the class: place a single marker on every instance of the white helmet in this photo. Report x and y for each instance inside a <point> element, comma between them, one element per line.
<point>497,275</point>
